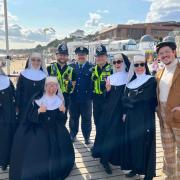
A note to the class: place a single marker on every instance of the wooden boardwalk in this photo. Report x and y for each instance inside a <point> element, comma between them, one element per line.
<point>87,168</point>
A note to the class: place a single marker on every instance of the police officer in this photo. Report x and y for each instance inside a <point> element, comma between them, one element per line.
<point>99,75</point>
<point>64,73</point>
<point>81,98</point>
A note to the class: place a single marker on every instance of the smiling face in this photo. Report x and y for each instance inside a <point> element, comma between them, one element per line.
<point>139,67</point>
<point>36,62</point>
<point>81,58</point>
<point>101,60</point>
<point>51,88</point>
<point>62,58</point>
<point>167,55</point>
<point>117,63</point>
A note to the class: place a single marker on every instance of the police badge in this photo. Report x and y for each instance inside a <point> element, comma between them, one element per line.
<point>99,48</point>
<point>63,47</point>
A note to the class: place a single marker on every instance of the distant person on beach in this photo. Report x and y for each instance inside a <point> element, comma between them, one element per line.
<point>31,80</point>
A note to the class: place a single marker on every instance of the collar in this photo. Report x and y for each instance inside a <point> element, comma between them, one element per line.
<point>34,74</point>
<point>51,102</point>
<point>139,81</point>
<point>4,82</point>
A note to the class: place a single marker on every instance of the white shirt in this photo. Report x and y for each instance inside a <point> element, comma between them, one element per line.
<point>166,81</point>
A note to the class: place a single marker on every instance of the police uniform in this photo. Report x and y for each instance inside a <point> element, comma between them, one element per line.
<point>65,75</point>
<point>81,98</point>
<point>99,76</point>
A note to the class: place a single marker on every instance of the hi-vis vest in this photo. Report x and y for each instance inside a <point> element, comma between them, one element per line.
<point>64,78</point>
<point>100,78</point>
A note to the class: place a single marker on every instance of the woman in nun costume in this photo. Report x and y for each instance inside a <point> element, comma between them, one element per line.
<point>31,80</point>
<point>139,103</point>
<point>42,147</point>
<point>7,118</point>
<point>108,143</point>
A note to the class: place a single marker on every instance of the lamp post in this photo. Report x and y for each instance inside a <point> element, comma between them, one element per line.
<point>6,35</point>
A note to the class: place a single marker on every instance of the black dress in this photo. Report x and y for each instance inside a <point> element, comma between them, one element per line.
<point>7,123</point>
<point>42,148</point>
<point>109,139</point>
<point>26,88</point>
<point>140,147</point>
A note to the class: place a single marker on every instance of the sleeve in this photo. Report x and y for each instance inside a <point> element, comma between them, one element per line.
<point>61,117</point>
<point>126,101</point>
<point>19,89</point>
<point>32,114</point>
<point>13,91</point>
<point>73,75</point>
<point>49,70</point>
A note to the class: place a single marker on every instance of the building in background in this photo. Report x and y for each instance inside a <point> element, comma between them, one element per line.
<point>135,31</point>
<point>178,45</point>
<point>78,34</point>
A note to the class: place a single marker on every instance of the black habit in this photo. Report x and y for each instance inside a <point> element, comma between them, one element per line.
<point>42,148</point>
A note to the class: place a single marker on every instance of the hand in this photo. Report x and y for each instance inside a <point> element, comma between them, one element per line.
<point>108,85</point>
<point>176,109</point>
<point>124,117</point>
<point>42,109</point>
<point>62,108</point>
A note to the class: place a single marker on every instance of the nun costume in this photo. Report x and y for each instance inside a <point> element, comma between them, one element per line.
<point>139,103</point>
<point>31,80</point>
<point>109,139</point>
<point>7,118</point>
<point>42,148</point>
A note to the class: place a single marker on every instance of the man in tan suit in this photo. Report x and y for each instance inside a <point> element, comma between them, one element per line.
<point>168,93</point>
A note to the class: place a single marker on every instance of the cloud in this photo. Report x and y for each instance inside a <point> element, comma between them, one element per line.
<point>103,11</point>
<point>21,34</point>
<point>95,21</point>
<point>166,10</point>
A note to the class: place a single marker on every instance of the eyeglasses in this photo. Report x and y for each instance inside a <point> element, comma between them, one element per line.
<point>118,62</point>
<point>139,64</point>
<point>38,60</point>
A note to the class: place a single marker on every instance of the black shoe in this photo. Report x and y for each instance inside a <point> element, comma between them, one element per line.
<point>131,174</point>
<point>73,139</point>
<point>87,142</point>
<point>107,168</point>
<point>4,168</point>
<point>94,154</point>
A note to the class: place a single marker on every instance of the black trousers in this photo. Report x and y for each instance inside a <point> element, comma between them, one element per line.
<point>77,109</point>
<point>98,104</point>
<point>66,99</point>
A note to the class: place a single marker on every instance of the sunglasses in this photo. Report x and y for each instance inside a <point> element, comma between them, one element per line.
<point>139,65</point>
<point>117,62</point>
<point>38,60</point>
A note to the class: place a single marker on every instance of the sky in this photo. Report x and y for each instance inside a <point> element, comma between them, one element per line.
<point>28,18</point>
